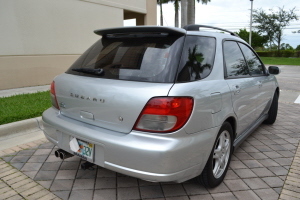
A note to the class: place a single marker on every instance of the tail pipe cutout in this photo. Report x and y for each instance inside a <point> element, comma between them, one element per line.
<point>62,154</point>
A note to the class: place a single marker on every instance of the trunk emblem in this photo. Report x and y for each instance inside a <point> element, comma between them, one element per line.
<point>86,98</point>
<point>62,105</point>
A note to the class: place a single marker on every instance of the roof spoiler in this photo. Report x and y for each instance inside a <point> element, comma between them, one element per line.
<point>141,29</point>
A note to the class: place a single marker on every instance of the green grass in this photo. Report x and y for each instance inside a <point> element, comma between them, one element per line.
<point>24,106</point>
<point>280,61</point>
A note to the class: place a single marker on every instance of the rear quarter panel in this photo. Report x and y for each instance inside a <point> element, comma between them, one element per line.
<point>209,110</point>
<point>206,114</point>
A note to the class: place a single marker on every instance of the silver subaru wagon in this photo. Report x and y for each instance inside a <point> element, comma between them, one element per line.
<point>161,103</point>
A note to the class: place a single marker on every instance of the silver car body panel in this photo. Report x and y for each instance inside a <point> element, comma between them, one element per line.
<point>103,102</point>
<point>157,157</point>
<point>266,86</point>
<point>176,156</point>
<point>244,97</point>
<point>212,103</point>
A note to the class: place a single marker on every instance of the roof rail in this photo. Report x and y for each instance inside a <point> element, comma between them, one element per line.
<point>196,27</point>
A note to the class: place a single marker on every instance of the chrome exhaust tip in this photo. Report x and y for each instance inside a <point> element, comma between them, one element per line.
<point>64,155</point>
<point>57,152</point>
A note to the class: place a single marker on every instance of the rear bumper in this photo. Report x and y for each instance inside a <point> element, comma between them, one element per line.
<point>171,157</point>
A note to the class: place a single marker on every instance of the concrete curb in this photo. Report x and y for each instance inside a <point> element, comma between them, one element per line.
<point>28,125</point>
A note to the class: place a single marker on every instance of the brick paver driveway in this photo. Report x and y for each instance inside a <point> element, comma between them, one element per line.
<point>258,170</point>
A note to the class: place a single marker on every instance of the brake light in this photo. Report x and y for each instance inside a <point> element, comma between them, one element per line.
<point>164,114</point>
<point>53,96</point>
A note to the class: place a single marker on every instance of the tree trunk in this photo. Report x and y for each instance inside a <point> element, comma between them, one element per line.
<point>161,14</point>
<point>183,13</point>
<point>176,5</point>
<point>191,12</point>
<point>278,45</point>
<point>270,48</point>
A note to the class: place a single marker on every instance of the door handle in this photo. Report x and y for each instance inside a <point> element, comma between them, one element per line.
<point>236,89</point>
<point>259,84</point>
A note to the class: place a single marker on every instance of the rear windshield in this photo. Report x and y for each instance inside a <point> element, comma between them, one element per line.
<point>141,58</point>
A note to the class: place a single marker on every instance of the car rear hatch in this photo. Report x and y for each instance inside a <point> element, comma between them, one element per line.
<point>109,85</point>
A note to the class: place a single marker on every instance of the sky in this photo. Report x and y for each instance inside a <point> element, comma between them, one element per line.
<point>234,15</point>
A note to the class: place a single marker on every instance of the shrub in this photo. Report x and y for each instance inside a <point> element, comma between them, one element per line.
<point>283,53</point>
<point>287,53</point>
<point>266,53</point>
<point>263,53</point>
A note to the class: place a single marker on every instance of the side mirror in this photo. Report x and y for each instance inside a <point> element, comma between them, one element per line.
<point>274,70</point>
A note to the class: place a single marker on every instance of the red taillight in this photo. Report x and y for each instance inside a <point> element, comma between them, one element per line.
<point>53,95</point>
<point>165,114</point>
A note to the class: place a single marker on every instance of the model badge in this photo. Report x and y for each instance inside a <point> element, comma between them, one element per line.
<point>86,98</point>
<point>62,105</point>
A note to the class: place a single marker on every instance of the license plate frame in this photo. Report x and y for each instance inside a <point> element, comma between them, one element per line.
<point>86,150</point>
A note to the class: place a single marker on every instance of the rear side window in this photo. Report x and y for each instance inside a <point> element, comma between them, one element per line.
<point>146,58</point>
<point>254,64</point>
<point>236,66</point>
<point>197,58</point>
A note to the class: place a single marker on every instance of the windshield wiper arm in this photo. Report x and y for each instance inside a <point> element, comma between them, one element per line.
<point>89,71</point>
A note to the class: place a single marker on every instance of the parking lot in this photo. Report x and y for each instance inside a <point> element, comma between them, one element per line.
<point>289,82</point>
<point>265,166</point>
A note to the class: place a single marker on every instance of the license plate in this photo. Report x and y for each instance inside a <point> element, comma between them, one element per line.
<point>86,150</point>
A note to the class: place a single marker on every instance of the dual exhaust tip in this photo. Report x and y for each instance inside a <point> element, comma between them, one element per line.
<point>62,154</point>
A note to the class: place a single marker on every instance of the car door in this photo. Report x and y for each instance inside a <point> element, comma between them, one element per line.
<point>263,87</point>
<point>241,84</point>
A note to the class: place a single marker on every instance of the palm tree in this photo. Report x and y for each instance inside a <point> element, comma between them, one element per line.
<point>160,2</point>
<point>191,10</point>
<point>176,5</point>
<point>194,66</point>
<point>161,13</point>
<point>183,13</point>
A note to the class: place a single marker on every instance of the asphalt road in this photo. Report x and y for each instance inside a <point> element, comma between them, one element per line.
<point>289,83</point>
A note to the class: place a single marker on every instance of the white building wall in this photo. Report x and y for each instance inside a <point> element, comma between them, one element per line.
<point>40,39</point>
<point>35,27</point>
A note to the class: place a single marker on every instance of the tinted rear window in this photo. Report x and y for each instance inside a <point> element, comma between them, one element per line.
<point>197,58</point>
<point>146,58</point>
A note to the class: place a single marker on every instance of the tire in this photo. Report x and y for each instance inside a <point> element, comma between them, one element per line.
<point>218,161</point>
<point>272,111</point>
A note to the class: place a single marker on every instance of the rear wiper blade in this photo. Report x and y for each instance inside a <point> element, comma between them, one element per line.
<point>89,71</point>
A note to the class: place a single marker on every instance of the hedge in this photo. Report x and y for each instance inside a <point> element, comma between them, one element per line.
<point>284,53</point>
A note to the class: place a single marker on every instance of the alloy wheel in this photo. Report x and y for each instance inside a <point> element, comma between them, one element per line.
<point>221,154</point>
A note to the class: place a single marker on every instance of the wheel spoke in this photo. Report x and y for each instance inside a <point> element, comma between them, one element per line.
<point>222,140</point>
<point>221,154</point>
<point>217,167</point>
<point>227,145</point>
<point>217,154</point>
<point>222,165</point>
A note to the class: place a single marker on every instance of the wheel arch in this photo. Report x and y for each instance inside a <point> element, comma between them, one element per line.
<point>277,91</point>
<point>232,121</point>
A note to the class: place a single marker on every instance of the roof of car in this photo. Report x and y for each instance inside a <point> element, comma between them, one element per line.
<point>193,29</point>
<point>162,29</point>
<point>197,27</point>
